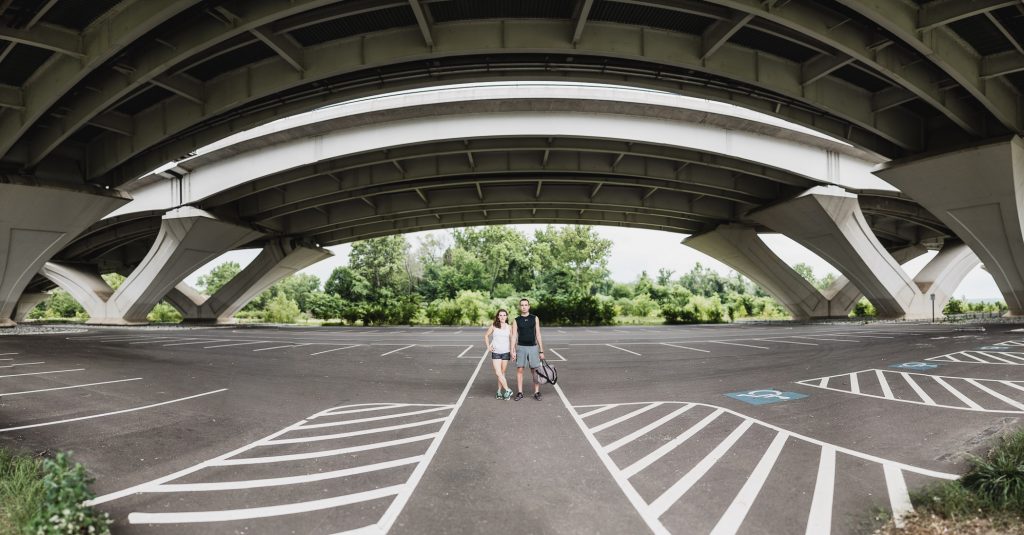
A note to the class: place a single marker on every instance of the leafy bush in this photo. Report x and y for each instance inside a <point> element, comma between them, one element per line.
<point>474,307</point>
<point>863,309</point>
<point>574,310</point>
<point>65,488</point>
<point>444,311</point>
<point>954,306</point>
<point>281,309</point>
<point>164,313</point>
<point>325,306</point>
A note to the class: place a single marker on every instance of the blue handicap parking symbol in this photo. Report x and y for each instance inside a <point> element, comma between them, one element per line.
<point>765,396</point>
<point>915,366</point>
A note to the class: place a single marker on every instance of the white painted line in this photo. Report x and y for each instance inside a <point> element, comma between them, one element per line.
<point>373,419</point>
<point>23,364</point>
<point>67,387</point>
<point>684,347</point>
<point>159,340</point>
<point>361,432</point>
<point>886,391</point>
<point>959,395</point>
<point>367,408</point>
<point>238,344</point>
<point>646,429</point>
<point>819,521</point>
<point>783,341</point>
<point>40,373</point>
<point>389,517</point>
<point>997,395</point>
<point>854,383</point>
<point>679,488</point>
<point>737,511</point>
<point>464,351</point>
<point>335,349</point>
<point>626,350</point>
<point>559,355</point>
<point>597,429</point>
<point>277,481</point>
<point>262,512</point>
<point>1012,356</point>
<point>823,383</point>
<point>318,454</point>
<point>970,356</point>
<point>917,389</point>
<point>650,458</point>
<point>6,354</point>
<point>1012,384</point>
<point>899,498</point>
<point>815,337</point>
<point>621,479</point>
<point>279,347</point>
<point>735,344</point>
<point>6,429</point>
<point>599,410</point>
<point>204,341</point>
<point>561,331</point>
<point>1001,359</point>
<point>6,359</point>
<point>397,350</point>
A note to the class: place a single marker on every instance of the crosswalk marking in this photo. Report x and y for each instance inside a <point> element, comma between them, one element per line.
<point>983,357</point>
<point>623,418</point>
<point>660,512</point>
<point>974,393</point>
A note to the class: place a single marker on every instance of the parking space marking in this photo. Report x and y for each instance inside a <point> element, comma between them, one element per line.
<point>816,337</point>
<point>22,364</point>
<point>67,387</point>
<point>332,350</point>
<point>464,351</point>
<point>279,347</point>
<point>324,419</point>
<point>6,354</point>
<point>122,411</point>
<point>626,350</point>
<point>159,340</point>
<point>623,418</point>
<point>203,341</point>
<point>783,341</point>
<point>987,357</point>
<point>559,355</point>
<point>976,394</point>
<point>750,484</point>
<point>238,344</point>
<point>735,344</point>
<point>397,350</point>
<point>41,373</point>
<point>684,347</point>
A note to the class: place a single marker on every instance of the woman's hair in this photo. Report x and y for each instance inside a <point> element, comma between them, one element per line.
<point>497,322</point>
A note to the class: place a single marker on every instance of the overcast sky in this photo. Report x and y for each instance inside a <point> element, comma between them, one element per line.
<point>635,250</point>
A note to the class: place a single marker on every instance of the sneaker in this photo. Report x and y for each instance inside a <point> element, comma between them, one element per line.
<point>519,396</point>
<point>497,395</point>
<point>508,394</point>
<point>536,396</point>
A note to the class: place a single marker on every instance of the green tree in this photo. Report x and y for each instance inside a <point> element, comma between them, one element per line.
<point>281,309</point>
<point>954,306</point>
<point>218,277</point>
<point>572,259</point>
<point>382,262</point>
<point>298,288</point>
<point>703,281</point>
<point>504,252</point>
<point>325,306</point>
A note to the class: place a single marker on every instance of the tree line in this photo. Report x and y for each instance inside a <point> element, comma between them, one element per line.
<point>461,278</point>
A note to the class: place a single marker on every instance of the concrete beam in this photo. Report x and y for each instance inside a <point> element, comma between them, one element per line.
<point>739,247</point>
<point>944,273</point>
<point>719,33</point>
<point>828,221</point>
<point>37,222</point>
<point>580,19</point>
<point>283,45</point>
<point>46,36</point>
<point>28,302</point>
<point>278,259</point>
<point>423,21</point>
<point>942,12</point>
<point>985,211</point>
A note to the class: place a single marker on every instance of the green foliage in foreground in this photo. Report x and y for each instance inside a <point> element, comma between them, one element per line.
<point>44,497</point>
<point>993,486</point>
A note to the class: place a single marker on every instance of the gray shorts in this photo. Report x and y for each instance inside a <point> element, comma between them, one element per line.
<point>527,354</point>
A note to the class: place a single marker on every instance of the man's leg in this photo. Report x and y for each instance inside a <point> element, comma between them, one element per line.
<point>519,378</point>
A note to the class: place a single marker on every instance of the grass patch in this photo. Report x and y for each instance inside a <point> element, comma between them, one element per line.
<point>989,498</point>
<point>44,496</point>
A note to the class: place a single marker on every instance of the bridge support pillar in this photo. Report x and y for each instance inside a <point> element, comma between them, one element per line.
<point>188,238</point>
<point>828,221</point>
<point>978,193</point>
<point>278,259</point>
<point>35,223</point>
<point>27,302</point>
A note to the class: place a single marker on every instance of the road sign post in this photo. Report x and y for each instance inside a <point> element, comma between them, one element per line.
<point>933,307</point>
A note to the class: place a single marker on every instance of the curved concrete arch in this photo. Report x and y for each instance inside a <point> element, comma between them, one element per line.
<point>623,122</point>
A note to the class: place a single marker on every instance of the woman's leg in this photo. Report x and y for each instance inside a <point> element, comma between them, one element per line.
<point>499,370</point>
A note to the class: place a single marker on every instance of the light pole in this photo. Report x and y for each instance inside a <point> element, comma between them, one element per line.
<point>933,307</point>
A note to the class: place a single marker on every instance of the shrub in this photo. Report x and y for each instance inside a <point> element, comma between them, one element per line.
<point>324,306</point>
<point>863,309</point>
<point>473,306</point>
<point>954,306</point>
<point>164,313</point>
<point>65,488</point>
<point>281,309</point>
<point>444,311</point>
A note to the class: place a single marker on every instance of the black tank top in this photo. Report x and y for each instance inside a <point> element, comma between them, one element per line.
<point>527,327</point>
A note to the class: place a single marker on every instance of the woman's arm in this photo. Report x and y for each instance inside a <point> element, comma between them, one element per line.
<point>487,337</point>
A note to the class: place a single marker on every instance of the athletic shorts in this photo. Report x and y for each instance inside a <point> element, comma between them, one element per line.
<point>500,356</point>
<point>527,355</point>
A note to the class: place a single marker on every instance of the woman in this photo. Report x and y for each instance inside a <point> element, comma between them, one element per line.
<point>501,351</point>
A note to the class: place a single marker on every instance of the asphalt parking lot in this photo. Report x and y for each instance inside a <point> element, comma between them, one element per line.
<point>693,429</point>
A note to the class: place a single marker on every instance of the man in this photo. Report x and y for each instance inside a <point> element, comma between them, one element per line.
<point>527,347</point>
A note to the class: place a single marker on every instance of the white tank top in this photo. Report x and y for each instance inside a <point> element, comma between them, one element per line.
<point>501,341</point>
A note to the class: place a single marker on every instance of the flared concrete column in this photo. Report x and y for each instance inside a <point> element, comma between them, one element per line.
<point>27,302</point>
<point>739,247</point>
<point>978,193</point>
<point>35,223</point>
<point>843,295</point>
<point>188,238</point>
<point>944,273</point>
<point>828,221</point>
<point>278,259</point>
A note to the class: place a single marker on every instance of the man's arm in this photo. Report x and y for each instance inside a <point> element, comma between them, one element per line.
<point>540,343</point>
<point>513,338</point>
